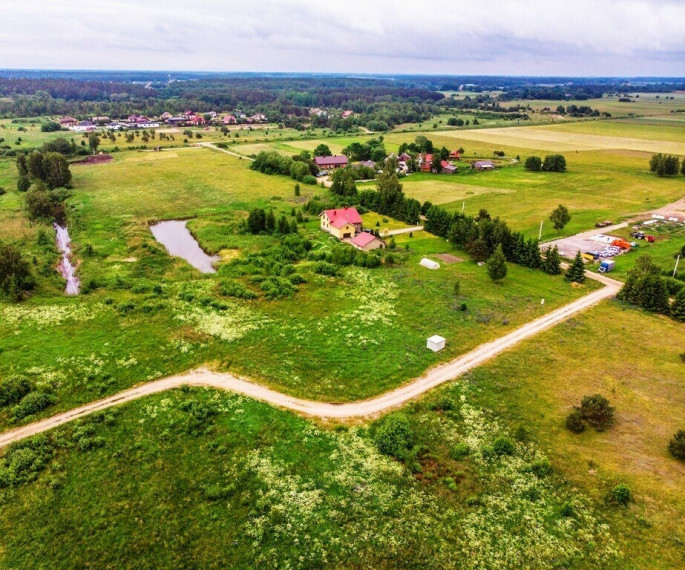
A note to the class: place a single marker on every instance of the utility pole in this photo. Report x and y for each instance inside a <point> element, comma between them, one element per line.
<point>540,232</point>
<point>463,204</point>
<point>676,265</point>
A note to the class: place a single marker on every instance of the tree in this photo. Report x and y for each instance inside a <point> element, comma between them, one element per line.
<point>394,436</point>
<point>23,184</point>
<point>297,189</point>
<point>93,142</point>
<point>560,217</point>
<point>554,163</point>
<point>497,267</point>
<point>322,150</point>
<point>645,287</point>
<point>15,272</point>
<point>23,169</point>
<point>40,204</point>
<point>56,170</point>
<point>574,422</point>
<point>283,225</point>
<point>552,262</point>
<point>256,221</point>
<point>678,307</point>
<point>576,273</point>
<point>50,126</point>
<point>677,445</point>
<point>34,164</point>
<point>533,163</point>
<point>596,411</point>
<point>270,221</point>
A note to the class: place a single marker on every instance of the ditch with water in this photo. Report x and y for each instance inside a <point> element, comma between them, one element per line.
<point>179,242</point>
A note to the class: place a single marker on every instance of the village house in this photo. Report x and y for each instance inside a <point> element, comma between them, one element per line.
<point>102,120</point>
<point>454,154</point>
<point>366,241</point>
<point>426,162</point>
<point>483,165</point>
<point>229,120</point>
<point>83,127</point>
<point>404,157</point>
<point>448,168</point>
<point>257,118</point>
<point>343,223</point>
<point>67,122</point>
<point>327,162</point>
<point>347,114</point>
<point>367,163</point>
<point>165,116</point>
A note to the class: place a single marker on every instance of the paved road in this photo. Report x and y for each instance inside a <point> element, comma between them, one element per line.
<point>363,408</point>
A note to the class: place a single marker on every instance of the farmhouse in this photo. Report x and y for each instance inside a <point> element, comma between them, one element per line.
<point>103,119</point>
<point>230,120</point>
<point>367,241</point>
<point>83,127</point>
<point>367,163</point>
<point>447,167</point>
<point>341,222</point>
<point>426,162</point>
<point>483,165</point>
<point>454,154</point>
<point>68,121</point>
<point>338,161</point>
<point>404,157</point>
<point>347,114</point>
<point>257,118</point>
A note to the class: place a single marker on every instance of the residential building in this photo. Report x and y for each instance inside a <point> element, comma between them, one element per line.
<point>341,222</point>
<point>367,241</point>
<point>483,165</point>
<point>337,161</point>
<point>448,168</point>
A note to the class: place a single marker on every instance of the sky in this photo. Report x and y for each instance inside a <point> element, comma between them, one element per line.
<point>493,37</point>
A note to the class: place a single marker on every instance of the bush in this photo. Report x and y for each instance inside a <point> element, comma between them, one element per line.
<point>325,268</point>
<point>24,461</point>
<point>277,287</point>
<point>533,163</point>
<point>309,179</point>
<point>237,290</point>
<point>13,389</point>
<point>620,494</point>
<point>541,468</point>
<point>677,445</point>
<point>394,436</point>
<point>597,412</point>
<point>23,184</point>
<point>32,403</point>
<point>574,422</point>
<point>460,450</point>
<point>2,191</point>
<point>503,446</point>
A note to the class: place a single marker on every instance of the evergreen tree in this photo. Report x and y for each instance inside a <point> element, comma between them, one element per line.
<point>283,225</point>
<point>576,273</point>
<point>552,263</point>
<point>270,221</point>
<point>497,267</point>
<point>297,189</point>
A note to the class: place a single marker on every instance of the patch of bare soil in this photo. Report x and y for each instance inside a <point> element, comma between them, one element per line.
<point>448,258</point>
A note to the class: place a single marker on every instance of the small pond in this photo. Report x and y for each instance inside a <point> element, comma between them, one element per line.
<point>179,242</point>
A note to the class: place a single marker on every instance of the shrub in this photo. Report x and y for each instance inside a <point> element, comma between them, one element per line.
<point>533,163</point>
<point>309,179</point>
<point>394,436</point>
<point>574,422</point>
<point>237,290</point>
<point>23,184</point>
<point>24,460</point>
<point>462,307</point>
<point>620,494</point>
<point>277,287</point>
<point>325,268</point>
<point>503,446</point>
<point>32,403</point>
<point>2,191</point>
<point>460,450</point>
<point>541,468</point>
<point>13,389</point>
<point>597,412</point>
<point>677,445</point>
<point>567,510</point>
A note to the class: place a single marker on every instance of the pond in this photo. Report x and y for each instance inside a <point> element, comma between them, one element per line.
<point>66,268</point>
<point>179,242</point>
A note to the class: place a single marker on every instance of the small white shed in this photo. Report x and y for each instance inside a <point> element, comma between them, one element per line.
<point>435,343</point>
<point>429,263</point>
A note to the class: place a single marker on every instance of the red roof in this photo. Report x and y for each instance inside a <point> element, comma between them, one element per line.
<point>330,160</point>
<point>341,216</point>
<point>454,154</point>
<point>363,239</point>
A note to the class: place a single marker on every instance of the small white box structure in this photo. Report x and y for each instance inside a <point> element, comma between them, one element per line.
<point>429,263</point>
<point>435,343</point>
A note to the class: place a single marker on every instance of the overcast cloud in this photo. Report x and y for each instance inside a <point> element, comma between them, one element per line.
<point>525,37</point>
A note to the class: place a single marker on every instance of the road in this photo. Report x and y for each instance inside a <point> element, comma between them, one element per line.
<point>360,409</point>
<point>402,231</point>
<point>210,145</point>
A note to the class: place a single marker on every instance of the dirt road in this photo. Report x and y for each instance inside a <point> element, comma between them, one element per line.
<point>402,231</point>
<point>363,408</point>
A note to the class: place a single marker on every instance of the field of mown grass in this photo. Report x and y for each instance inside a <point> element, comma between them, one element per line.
<point>632,358</point>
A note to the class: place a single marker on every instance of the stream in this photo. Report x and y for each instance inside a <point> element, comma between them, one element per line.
<point>66,268</point>
<point>179,242</point>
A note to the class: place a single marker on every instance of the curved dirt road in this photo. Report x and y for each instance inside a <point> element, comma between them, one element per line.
<point>363,408</point>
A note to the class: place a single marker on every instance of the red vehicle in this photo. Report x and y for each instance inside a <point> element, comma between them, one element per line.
<point>650,239</point>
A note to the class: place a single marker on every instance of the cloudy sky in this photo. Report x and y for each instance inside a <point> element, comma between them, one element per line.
<point>510,37</point>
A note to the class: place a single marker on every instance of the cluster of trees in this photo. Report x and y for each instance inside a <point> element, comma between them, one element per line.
<point>50,168</point>
<point>595,410</point>
<point>646,288</point>
<point>665,165</point>
<point>260,221</point>
<point>16,278</point>
<point>300,167</point>
<point>552,163</point>
<point>373,149</point>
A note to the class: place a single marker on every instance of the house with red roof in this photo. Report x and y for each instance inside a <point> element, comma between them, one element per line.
<point>447,167</point>
<point>366,241</point>
<point>323,162</point>
<point>426,162</point>
<point>347,114</point>
<point>230,120</point>
<point>454,154</point>
<point>343,223</point>
<point>68,122</point>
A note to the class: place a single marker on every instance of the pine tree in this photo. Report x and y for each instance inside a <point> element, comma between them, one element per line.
<point>576,273</point>
<point>552,263</point>
<point>497,267</point>
<point>270,221</point>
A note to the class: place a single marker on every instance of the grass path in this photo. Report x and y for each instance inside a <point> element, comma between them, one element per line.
<point>364,408</point>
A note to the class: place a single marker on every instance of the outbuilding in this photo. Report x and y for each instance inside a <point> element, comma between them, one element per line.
<point>435,343</point>
<point>429,263</point>
<point>367,241</point>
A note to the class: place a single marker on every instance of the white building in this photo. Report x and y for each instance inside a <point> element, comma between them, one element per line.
<point>435,343</point>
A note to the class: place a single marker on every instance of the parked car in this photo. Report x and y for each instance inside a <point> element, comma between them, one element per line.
<point>603,224</point>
